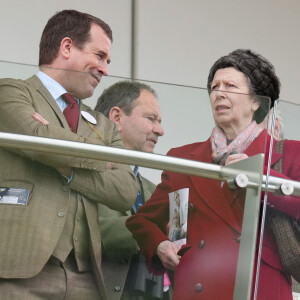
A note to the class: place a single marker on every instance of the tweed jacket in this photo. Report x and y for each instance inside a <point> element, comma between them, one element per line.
<point>118,244</point>
<point>29,233</point>
<point>208,265</point>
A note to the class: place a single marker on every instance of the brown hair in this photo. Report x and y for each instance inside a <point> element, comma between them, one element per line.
<point>67,23</point>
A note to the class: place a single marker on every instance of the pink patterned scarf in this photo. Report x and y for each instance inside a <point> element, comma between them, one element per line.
<point>220,149</point>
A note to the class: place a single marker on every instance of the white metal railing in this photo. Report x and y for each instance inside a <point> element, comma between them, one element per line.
<point>244,174</point>
<point>239,178</point>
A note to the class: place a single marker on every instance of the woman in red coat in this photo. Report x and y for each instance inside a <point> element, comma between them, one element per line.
<point>205,267</point>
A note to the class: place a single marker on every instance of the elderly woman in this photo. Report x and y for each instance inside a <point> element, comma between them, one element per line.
<point>205,267</point>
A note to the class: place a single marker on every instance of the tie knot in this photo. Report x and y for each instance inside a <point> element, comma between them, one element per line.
<point>68,98</point>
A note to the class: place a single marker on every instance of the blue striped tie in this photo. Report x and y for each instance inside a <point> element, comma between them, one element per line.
<point>139,198</point>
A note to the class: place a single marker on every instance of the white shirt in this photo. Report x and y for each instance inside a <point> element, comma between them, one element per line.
<point>55,89</point>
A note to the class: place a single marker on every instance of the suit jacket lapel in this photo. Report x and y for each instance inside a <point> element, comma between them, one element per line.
<point>38,85</point>
<point>83,126</point>
<point>148,187</point>
<point>210,191</point>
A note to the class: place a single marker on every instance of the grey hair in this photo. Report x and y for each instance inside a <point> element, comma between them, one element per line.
<point>121,94</point>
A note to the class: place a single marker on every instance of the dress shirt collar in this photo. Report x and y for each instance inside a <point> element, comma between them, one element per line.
<point>54,88</point>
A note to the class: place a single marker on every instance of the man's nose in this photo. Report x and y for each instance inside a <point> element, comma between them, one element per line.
<point>103,68</point>
<point>158,129</point>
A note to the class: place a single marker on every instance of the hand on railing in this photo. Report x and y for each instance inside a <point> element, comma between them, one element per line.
<point>234,158</point>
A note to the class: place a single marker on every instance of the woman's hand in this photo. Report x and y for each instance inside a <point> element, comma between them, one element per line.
<point>167,252</point>
<point>233,158</point>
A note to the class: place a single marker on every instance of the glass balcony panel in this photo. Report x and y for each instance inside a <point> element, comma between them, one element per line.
<point>221,203</point>
<point>282,202</point>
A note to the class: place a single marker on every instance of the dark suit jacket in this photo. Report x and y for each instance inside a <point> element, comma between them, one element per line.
<point>207,268</point>
<point>29,233</point>
<point>118,245</point>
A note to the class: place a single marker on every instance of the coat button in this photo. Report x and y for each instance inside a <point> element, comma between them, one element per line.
<point>117,288</point>
<point>201,244</point>
<point>191,206</point>
<point>61,214</point>
<point>238,239</point>
<point>198,287</point>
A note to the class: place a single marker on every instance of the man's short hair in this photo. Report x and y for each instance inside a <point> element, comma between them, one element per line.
<point>121,94</point>
<point>67,23</point>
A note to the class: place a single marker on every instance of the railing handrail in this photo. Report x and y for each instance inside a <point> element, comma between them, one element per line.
<point>143,159</point>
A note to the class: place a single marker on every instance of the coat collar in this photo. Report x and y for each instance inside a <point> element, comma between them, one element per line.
<point>262,145</point>
<point>215,196</point>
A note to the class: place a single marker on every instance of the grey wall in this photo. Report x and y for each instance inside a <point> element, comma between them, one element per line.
<point>180,39</point>
<point>22,23</point>
<point>176,42</point>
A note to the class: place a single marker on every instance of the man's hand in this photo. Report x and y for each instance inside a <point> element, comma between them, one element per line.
<point>40,119</point>
<point>167,252</point>
<point>109,165</point>
<point>66,171</point>
<point>233,158</point>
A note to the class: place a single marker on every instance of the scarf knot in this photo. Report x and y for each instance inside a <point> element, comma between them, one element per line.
<point>221,150</point>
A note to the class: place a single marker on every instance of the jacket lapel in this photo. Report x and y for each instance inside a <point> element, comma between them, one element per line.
<point>148,187</point>
<point>38,85</point>
<point>83,127</point>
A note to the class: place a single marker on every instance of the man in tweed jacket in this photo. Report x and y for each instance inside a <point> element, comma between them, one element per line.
<point>50,246</point>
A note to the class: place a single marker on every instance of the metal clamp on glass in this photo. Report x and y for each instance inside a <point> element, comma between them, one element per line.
<point>239,181</point>
<point>286,188</point>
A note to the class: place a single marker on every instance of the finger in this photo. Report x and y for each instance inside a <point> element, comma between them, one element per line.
<point>229,162</point>
<point>108,165</point>
<point>171,263</point>
<point>39,118</point>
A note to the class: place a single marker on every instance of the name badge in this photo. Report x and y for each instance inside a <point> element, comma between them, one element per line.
<point>14,196</point>
<point>88,117</point>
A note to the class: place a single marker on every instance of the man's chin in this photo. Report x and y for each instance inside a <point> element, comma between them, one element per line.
<point>149,150</point>
<point>87,93</point>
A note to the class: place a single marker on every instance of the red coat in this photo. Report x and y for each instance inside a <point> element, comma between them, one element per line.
<point>207,269</point>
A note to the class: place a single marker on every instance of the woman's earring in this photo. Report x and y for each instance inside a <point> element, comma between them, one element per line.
<point>253,108</point>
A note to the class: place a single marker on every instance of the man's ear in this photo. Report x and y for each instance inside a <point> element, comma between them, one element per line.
<point>115,115</point>
<point>65,47</point>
